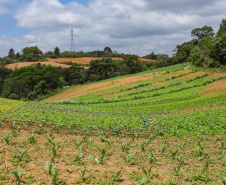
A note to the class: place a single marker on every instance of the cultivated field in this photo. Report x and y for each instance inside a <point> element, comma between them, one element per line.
<point>60,62</point>
<point>96,135</point>
<point>86,60</point>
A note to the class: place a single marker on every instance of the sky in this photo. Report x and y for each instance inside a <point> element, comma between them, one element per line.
<point>126,26</point>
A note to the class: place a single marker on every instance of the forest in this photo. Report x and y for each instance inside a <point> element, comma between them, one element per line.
<point>206,49</point>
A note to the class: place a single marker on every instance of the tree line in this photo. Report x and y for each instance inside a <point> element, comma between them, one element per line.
<point>206,49</point>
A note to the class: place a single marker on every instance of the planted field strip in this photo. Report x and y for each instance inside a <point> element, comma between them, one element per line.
<point>9,104</point>
<point>51,154</point>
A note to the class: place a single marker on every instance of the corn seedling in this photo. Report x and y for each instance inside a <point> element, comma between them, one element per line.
<point>151,158</point>
<point>53,151</point>
<point>19,155</point>
<point>147,172</point>
<point>78,158</point>
<point>180,158</point>
<point>7,138</point>
<point>143,145</point>
<point>125,147</point>
<point>78,143</point>
<point>24,126</point>
<point>162,147</point>
<point>223,180</point>
<point>82,174</point>
<point>182,145</point>
<point>102,138</point>
<point>50,138</point>
<point>103,153</point>
<point>31,138</point>
<point>54,175</point>
<point>49,167</point>
<point>173,153</point>
<point>18,175</point>
<point>129,157</point>
<point>206,164</point>
<point>116,177</point>
<point>176,169</point>
<point>110,142</point>
<point>142,181</point>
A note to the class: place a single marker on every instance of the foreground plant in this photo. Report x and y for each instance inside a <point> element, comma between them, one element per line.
<point>18,175</point>
<point>19,155</point>
<point>31,138</point>
<point>82,174</point>
<point>7,138</point>
<point>116,177</point>
<point>50,168</point>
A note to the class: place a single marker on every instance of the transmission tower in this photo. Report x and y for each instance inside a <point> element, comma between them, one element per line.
<point>72,41</point>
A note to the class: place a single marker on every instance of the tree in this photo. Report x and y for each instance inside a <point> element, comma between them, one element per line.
<point>56,51</point>
<point>11,53</point>
<point>222,28</point>
<point>108,49</point>
<point>205,31</point>
<point>30,54</point>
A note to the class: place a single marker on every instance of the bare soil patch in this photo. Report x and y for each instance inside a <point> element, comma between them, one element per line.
<point>24,64</point>
<point>86,60</point>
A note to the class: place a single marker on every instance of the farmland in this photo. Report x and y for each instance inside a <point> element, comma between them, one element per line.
<point>60,62</point>
<point>94,134</point>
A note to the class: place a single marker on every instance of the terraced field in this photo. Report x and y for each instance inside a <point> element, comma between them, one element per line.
<point>94,133</point>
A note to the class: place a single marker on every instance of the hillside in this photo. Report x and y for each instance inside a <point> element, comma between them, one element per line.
<point>94,133</point>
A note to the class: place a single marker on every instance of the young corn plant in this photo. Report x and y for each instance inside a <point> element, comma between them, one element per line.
<point>20,154</point>
<point>82,174</point>
<point>78,143</point>
<point>151,158</point>
<point>173,153</point>
<point>31,138</point>
<point>223,180</point>
<point>116,177</point>
<point>143,181</point>
<point>7,138</point>
<point>125,147</point>
<point>176,169</point>
<point>129,157</point>
<point>53,151</point>
<point>103,153</point>
<point>17,174</point>
<point>148,172</point>
<point>162,148</point>
<point>206,164</point>
<point>143,145</point>
<point>50,138</point>
<point>78,159</point>
<point>50,169</point>
<point>182,145</point>
<point>110,142</point>
<point>180,158</point>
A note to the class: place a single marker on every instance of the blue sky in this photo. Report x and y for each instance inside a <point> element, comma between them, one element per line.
<point>127,26</point>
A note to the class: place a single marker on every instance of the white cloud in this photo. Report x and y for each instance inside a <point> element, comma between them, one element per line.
<point>124,25</point>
